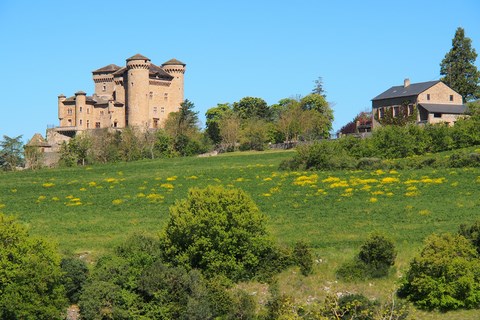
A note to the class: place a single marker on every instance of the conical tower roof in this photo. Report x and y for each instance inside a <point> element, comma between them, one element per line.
<point>138,56</point>
<point>173,62</point>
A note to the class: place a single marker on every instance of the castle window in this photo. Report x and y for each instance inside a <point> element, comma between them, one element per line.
<point>115,124</point>
<point>69,111</point>
<point>88,124</point>
<point>451,97</point>
<point>151,94</point>
<point>162,110</point>
<point>101,113</point>
<point>81,109</point>
<point>97,125</point>
<point>155,110</point>
<point>155,123</point>
<point>69,122</point>
<point>81,122</point>
<point>104,88</point>
<point>428,96</point>
<point>88,110</point>
<point>165,96</point>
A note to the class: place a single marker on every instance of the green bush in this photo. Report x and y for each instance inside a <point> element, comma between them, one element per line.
<point>30,275</point>
<point>369,163</point>
<point>303,257</point>
<point>323,155</point>
<point>472,233</point>
<point>219,231</point>
<point>75,273</point>
<point>446,275</point>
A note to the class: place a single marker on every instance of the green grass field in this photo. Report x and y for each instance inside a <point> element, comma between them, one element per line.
<point>89,210</point>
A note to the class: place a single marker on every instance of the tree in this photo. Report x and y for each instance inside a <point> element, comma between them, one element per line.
<point>219,231</point>
<point>378,252</point>
<point>254,135</point>
<point>446,275</point>
<point>318,88</point>
<point>458,67</point>
<point>75,272</point>
<point>229,126</point>
<point>250,107</point>
<point>213,116</point>
<point>320,117</point>
<point>11,153</point>
<point>290,118</point>
<point>30,275</point>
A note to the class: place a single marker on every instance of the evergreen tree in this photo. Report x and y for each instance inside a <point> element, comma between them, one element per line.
<point>458,67</point>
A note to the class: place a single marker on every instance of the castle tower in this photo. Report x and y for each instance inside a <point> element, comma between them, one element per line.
<point>176,95</point>
<point>80,104</point>
<point>137,91</point>
<point>61,109</point>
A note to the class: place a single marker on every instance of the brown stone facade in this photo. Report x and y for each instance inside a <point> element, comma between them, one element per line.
<point>140,94</point>
<point>433,101</point>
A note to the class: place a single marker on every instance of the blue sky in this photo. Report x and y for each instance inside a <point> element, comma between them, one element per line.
<point>233,49</point>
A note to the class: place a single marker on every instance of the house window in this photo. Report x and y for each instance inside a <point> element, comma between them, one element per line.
<point>97,125</point>
<point>381,113</point>
<point>428,96</point>
<point>451,97</point>
<point>410,109</point>
<point>396,111</point>
<point>437,115</point>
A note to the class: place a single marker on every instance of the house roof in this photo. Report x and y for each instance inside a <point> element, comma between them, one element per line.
<point>138,56</point>
<point>173,62</point>
<point>107,69</point>
<point>413,89</point>
<point>156,71</point>
<point>444,108</point>
<point>37,141</point>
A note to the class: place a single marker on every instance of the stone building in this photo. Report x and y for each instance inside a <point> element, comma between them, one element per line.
<point>434,102</point>
<point>139,94</point>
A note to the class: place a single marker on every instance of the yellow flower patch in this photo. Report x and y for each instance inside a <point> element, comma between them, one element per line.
<point>373,200</point>
<point>172,178</point>
<point>388,180</point>
<point>155,197</point>
<point>340,184</point>
<point>48,184</point>
<point>167,185</point>
<point>117,202</point>
<point>331,179</point>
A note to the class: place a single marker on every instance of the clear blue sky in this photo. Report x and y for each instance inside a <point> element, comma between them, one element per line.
<point>233,49</point>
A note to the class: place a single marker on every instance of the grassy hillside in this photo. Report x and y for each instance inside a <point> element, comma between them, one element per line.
<point>92,209</point>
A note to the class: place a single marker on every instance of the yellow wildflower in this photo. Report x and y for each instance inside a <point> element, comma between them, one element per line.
<point>373,200</point>
<point>48,184</point>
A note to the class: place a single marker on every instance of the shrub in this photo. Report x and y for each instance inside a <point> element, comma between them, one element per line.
<point>472,233</point>
<point>369,163</point>
<point>446,275</point>
<point>303,257</point>
<point>219,231</point>
<point>374,260</point>
<point>30,275</point>
<point>75,272</point>
<point>324,155</point>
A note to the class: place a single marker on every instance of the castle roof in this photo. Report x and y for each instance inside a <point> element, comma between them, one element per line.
<point>138,56</point>
<point>173,62</point>
<point>157,72</point>
<point>401,91</point>
<point>107,69</point>
<point>119,72</point>
<point>37,141</point>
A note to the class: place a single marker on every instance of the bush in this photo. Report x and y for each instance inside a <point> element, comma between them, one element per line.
<point>325,155</point>
<point>219,231</point>
<point>75,273</point>
<point>446,275</point>
<point>472,233</point>
<point>303,257</point>
<point>369,163</point>
<point>30,275</point>
<point>374,260</point>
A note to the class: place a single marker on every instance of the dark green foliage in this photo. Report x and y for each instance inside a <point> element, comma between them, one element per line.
<point>250,107</point>
<point>356,306</point>
<point>458,67</point>
<point>376,257</point>
<point>30,275</point>
<point>446,275</point>
<point>402,118</point>
<point>219,231</point>
<point>243,306</point>
<point>324,155</point>
<point>303,257</point>
<point>75,273</point>
<point>11,155</point>
<point>213,116</point>
<point>369,163</point>
<point>378,251</point>
<point>472,233</point>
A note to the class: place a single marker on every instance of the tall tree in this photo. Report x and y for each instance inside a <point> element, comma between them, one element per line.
<point>458,67</point>
<point>213,116</point>
<point>318,88</point>
<point>11,153</point>
<point>250,107</point>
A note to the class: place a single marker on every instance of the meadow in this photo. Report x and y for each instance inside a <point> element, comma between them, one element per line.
<point>89,210</point>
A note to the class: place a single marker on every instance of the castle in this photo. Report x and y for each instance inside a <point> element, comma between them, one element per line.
<point>140,94</point>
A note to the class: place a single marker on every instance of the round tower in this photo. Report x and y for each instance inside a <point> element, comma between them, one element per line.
<point>176,93</point>
<point>137,91</point>
<point>80,104</point>
<point>61,109</point>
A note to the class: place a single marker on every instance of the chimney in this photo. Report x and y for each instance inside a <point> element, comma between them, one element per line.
<point>406,83</point>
